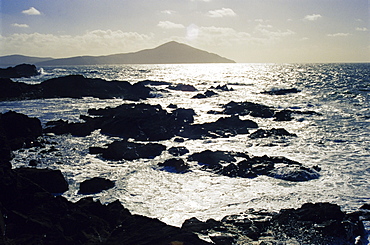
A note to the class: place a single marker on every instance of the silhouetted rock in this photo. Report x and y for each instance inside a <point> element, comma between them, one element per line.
<point>174,165</point>
<point>15,90</point>
<point>95,185</point>
<point>222,88</point>
<point>281,91</point>
<point>317,224</point>
<point>20,130</point>
<point>75,86</point>
<point>223,127</point>
<point>153,83</point>
<point>183,87</point>
<point>283,115</point>
<point>18,71</point>
<point>207,94</point>
<point>119,150</point>
<point>51,180</point>
<point>264,133</point>
<point>178,151</point>
<point>248,108</point>
<point>223,163</point>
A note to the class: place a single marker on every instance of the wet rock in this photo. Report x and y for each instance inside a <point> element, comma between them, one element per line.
<point>33,163</point>
<point>124,150</point>
<point>223,163</point>
<point>18,71</point>
<point>264,133</point>
<point>282,91</point>
<point>76,129</point>
<point>153,83</point>
<point>34,216</point>
<point>20,130</point>
<point>222,88</point>
<point>223,127</point>
<point>51,180</point>
<point>14,90</point>
<point>142,121</point>
<point>95,185</point>
<point>317,224</point>
<point>283,115</point>
<point>183,87</point>
<point>207,94</point>
<point>174,165</point>
<point>178,151</point>
<point>77,86</point>
<point>248,108</point>
<point>172,106</point>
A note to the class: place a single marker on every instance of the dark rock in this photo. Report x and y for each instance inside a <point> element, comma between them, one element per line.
<point>20,130</point>
<point>172,106</point>
<point>14,90</point>
<point>178,140</point>
<point>212,158</point>
<point>33,163</point>
<point>183,87</point>
<point>248,108</point>
<point>75,86</point>
<point>18,71</point>
<point>223,127</point>
<point>221,162</point>
<point>284,115</point>
<point>174,165</point>
<point>178,151</point>
<point>120,150</point>
<point>222,88</point>
<point>51,180</point>
<point>207,94</point>
<point>264,133</point>
<point>95,185</point>
<point>142,122</point>
<point>282,91</point>
<point>153,83</point>
<point>365,206</point>
<point>34,216</point>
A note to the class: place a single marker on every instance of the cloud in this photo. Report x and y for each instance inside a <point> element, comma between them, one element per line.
<point>20,25</point>
<point>96,42</point>
<point>168,11</point>
<point>268,32</point>
<point>31,11</point>
<point>361,29</point>
<point>312,17</point>
<point>170,25</point>
<point>339,34</point>
<point>219,13</point>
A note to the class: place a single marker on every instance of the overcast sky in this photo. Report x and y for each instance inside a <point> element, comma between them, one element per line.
<point>242,30</point>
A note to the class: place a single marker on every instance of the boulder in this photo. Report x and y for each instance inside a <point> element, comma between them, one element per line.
<point>223,127</point>
<point>223,163</point>
<point>15,90</point>
<point>20,130</point>
<point>264,133</point>
<point>174,165</point>
<point>95,185</point>
<point>18,71</point>
<point>248,108</point>
<point>51,180</point>
<point>124,150</point>
<point>281,91</point>
<point>178,151</point>
<point>207,94</point>
<point>312,223</point>
<point>183,87</point>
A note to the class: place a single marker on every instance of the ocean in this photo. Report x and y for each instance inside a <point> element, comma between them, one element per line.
<point>336,138</point>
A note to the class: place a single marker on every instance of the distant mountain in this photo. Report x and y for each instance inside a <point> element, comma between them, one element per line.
<point>12,60</point>
<point>168,53</point>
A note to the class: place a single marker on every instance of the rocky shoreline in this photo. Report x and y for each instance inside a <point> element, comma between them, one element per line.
<point>32,210</point>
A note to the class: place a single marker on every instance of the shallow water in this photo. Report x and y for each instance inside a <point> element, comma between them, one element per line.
<point>337,140</point>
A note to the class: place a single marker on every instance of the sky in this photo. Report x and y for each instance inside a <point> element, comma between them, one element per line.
<point>281,31</point>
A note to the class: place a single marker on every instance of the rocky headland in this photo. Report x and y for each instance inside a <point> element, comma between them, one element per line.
<point>33,210</point>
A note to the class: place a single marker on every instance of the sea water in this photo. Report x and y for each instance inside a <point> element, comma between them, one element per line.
<point>337,140</point>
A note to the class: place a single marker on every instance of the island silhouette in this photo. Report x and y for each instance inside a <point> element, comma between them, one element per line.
<point>168,53</point>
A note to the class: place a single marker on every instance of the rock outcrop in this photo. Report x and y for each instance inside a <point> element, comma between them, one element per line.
<point>18,71</point>
<point>95,185</point>
<point>75,86</point>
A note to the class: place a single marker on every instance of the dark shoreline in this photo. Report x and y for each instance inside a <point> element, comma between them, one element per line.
<point>32,210</point>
